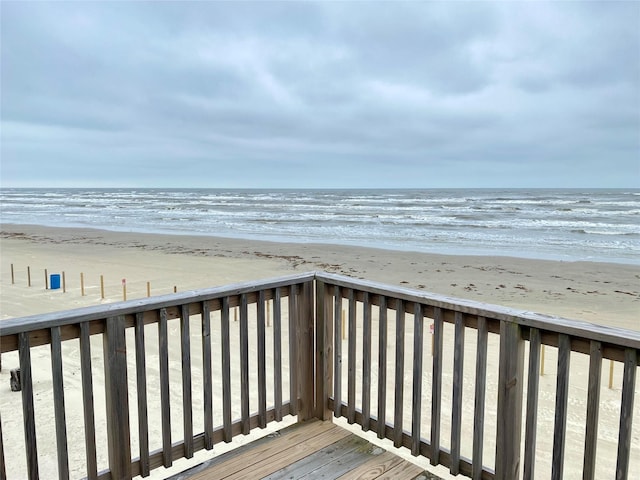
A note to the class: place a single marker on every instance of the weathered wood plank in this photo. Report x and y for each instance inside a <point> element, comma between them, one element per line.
<point>337,342</point>
<point>187,404</point>
<point>399,375</point>
<point>87,402</point>
<point>366,362</point>
<point>262,360</point>
<point>480,391</point>
<point>226,369</point>
<point>117,397</point>
<point>294,370</point>
<point>593,408</point>
<point>327,462</point>
<point>562,397</point>
<point>24,353</point>
<point>277,353</point>
<point>532,404</point>
<point>373,468</point>
<point>626,413</point>
<point>351,379</point>
<point>458,381</point>
<point>510,388</point>
<point>324,350</point>
<point>416,401</point>
<point>436,386</point>
<point>306,352</point>
<point>141,386</point>
<point>244,364</point>
<point>58,404</point>
<point>165,405</point>
<point>207,374</point>
<point>382,366</point>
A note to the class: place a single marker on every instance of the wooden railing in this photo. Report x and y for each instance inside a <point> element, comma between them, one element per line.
<point>395,318</point>
<point>172,320</point>
<point>311,361</point>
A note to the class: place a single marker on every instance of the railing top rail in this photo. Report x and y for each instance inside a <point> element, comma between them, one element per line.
<point>13,326</point>
<point>575,328</point>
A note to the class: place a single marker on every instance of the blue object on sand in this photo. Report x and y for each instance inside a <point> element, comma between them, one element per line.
<point>55,281</point>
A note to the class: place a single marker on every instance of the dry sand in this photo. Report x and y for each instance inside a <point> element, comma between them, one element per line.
<point>601,293</point>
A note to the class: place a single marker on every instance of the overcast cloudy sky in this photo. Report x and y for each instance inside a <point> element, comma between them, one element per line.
<point>331,94</point>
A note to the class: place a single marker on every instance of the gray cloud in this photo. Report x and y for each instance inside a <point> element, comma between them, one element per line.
<point>320,94</point>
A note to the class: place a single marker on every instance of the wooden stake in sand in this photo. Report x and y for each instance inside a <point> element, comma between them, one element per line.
<point>148,289</point>
<point>13,278</point>
<point>124,289</point>
<point>268,312</point>
<point>175,289</point>
<point>102,287</point>
<point>82,283</point>
<point>46,279</point>
<point>542,361</point>
<point>29,276</point>
<point>64,283</point>
<point>610,374</point>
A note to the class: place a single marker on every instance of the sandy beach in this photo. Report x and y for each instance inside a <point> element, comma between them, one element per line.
<point>603,293</point>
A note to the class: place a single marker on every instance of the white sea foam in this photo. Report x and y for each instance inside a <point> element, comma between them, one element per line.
<point>562,224</point>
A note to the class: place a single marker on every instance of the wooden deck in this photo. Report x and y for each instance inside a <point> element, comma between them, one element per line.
<point>312,449</point>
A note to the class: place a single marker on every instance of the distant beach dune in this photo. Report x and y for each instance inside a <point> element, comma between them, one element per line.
<point>603,293</point>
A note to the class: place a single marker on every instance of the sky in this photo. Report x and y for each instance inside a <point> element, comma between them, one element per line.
<point>320,94</point>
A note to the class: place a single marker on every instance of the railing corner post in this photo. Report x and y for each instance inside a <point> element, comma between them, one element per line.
<point>510,391</point>
<point>324,350</point>
<point>117,397</point>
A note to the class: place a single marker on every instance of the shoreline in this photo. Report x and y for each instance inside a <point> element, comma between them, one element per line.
<point>597,292</point>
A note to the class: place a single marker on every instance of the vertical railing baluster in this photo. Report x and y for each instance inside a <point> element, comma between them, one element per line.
<point>382,366</point>
<point>510,388</point>
<point>480,391</point>
<point>3,468</point>
<point>24,352</point>
<point>416,403</point>
<point>226,370</point>
<point>207,381</point>
<point>141,382</point>
<point>262,361</point>
<point>626,413</point>
<point>351,382</point>
<point>293,349</point>
<point>366,362</point>
<point>165,405</point>
<point>277,353</point>
<point>532,404</point>
<point>436,385</point>
<point>562,397</point>
<point>456,406</point>
<point>117,397</point>
<point>244,364</point>
<point>187,405</point>
<point>58,403</point>
<point>87,402</point>
<point>337,342</point>
<point>399,375</point>
<point>307,350</point>
<point>593,407</point>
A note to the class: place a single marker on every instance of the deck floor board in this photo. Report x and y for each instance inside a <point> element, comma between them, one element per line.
<point>308,450</point>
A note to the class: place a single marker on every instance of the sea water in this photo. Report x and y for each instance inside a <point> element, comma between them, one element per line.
<point>572,225</point>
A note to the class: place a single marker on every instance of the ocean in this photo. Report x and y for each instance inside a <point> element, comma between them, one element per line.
<point>570,225</point>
